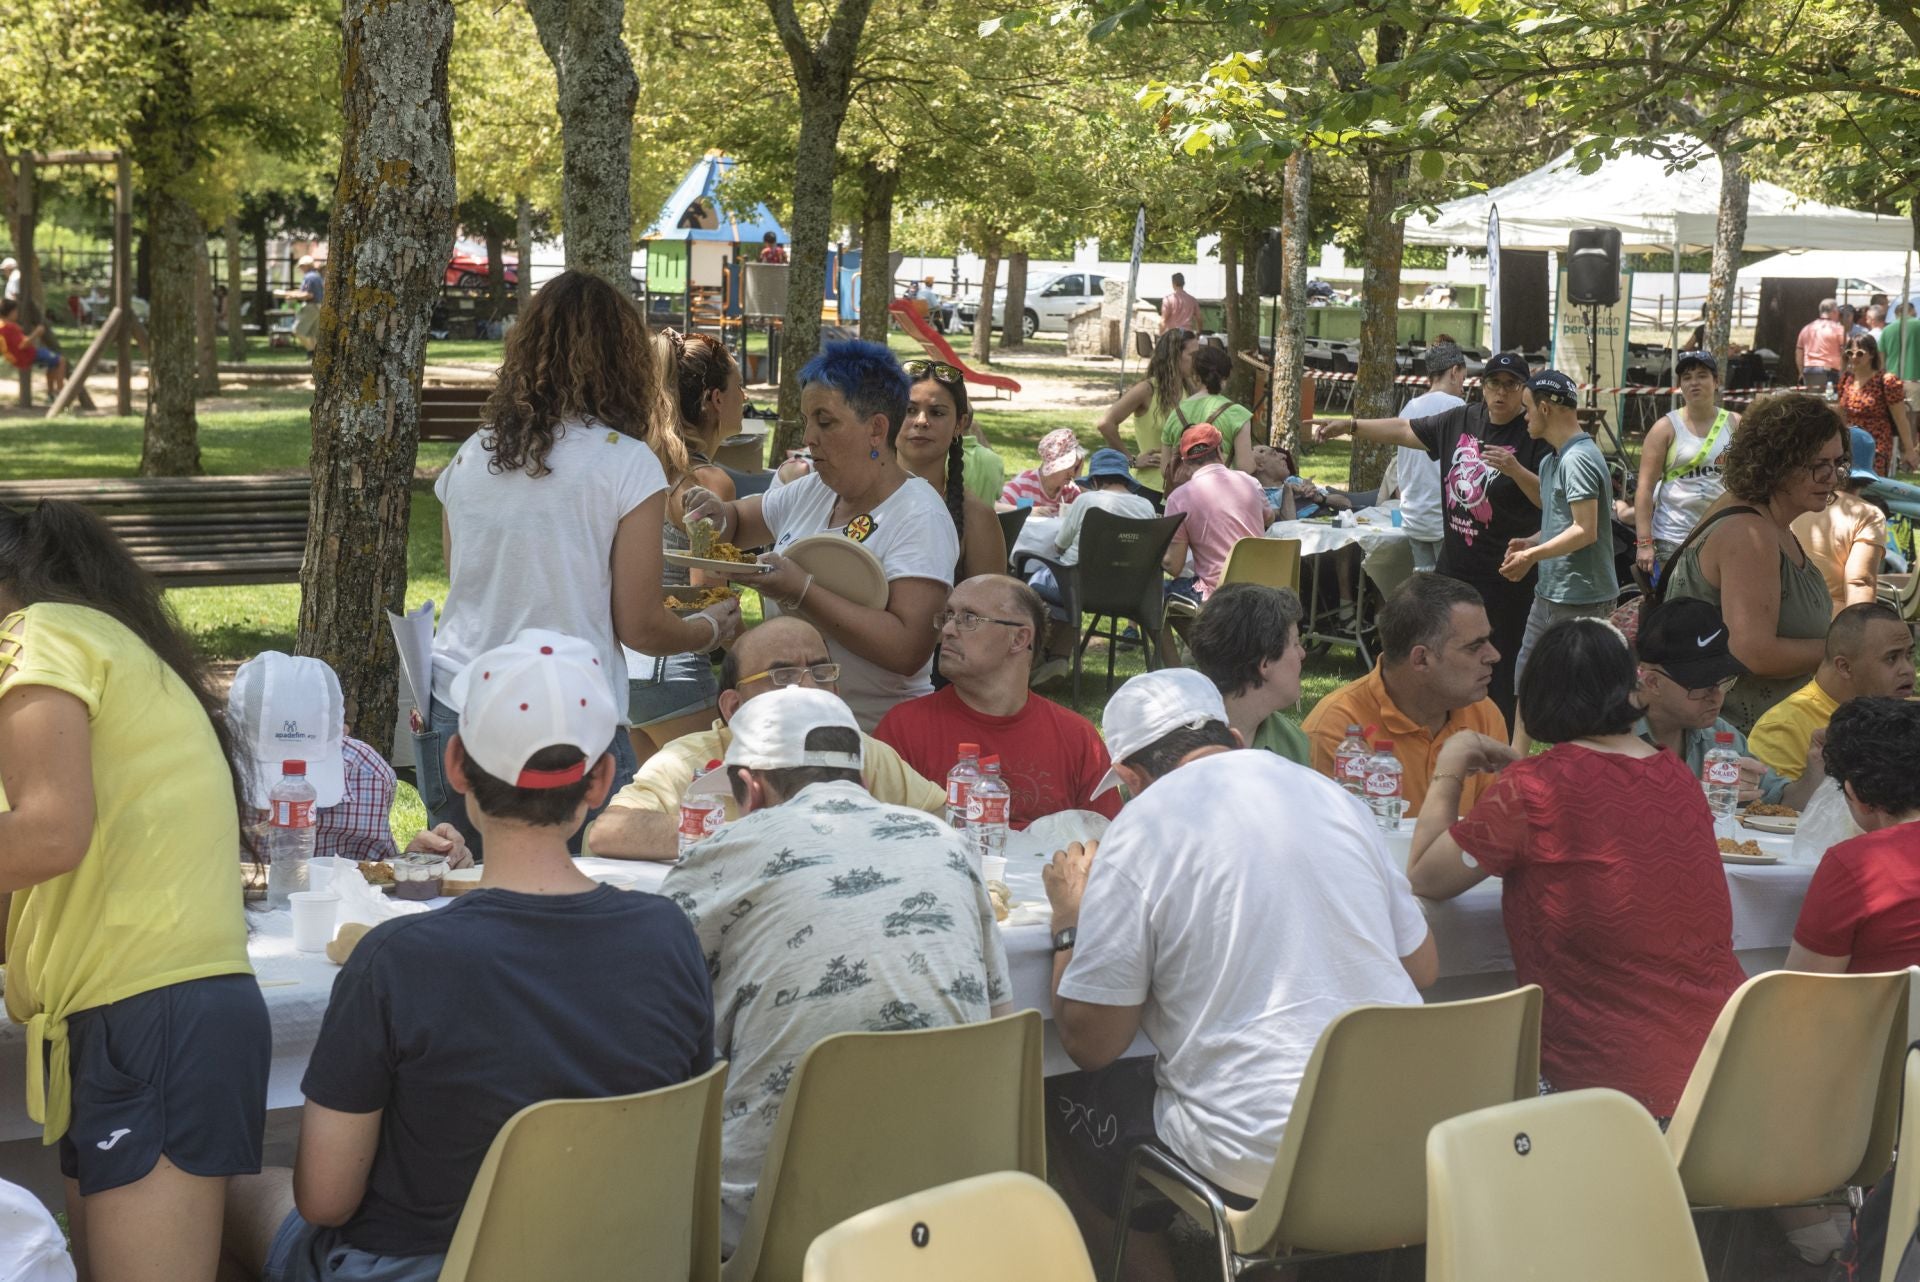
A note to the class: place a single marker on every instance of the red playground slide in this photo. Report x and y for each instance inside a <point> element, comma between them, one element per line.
<point>936,344</point>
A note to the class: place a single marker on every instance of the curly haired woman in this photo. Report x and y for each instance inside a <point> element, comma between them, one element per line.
<point>1170,379</point>
<point>1743,557</point>
<point>552,512</point>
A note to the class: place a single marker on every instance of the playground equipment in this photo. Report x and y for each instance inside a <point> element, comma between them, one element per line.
<point>935,343</point>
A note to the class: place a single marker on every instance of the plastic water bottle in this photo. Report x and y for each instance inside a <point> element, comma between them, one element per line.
<point>1383,786</point>
<point>701,814</point>
<point>1350,762</point>
<point>1720,776</point>
<point>960,781</point>
<point>290,832</point>
<point>988,802</point>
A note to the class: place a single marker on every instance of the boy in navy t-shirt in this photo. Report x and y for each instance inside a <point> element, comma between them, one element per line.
<point>541,984</point>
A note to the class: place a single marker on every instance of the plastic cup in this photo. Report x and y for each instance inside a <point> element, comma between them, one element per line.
<point>320,875</point>
<point>993,868</point>
<point>1396,518</point>
<point>313,914</point>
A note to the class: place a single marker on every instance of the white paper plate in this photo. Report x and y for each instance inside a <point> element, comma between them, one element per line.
<point>693,562</point>
<point>843,567</point>
<point>1772,823</point>
<point>1029,914</point>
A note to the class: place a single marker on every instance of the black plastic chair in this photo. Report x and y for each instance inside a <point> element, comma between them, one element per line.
<point>1118,578</point>
<point>1011,523</point>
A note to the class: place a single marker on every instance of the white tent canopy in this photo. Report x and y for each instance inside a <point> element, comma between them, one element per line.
<point>1883,271</point>
<point>1654,209</point>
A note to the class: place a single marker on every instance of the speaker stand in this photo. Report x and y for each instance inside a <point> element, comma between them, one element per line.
<point>1615,430</point>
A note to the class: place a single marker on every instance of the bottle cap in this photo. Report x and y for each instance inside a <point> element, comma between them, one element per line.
<point>1723,736</point>
<point>293,768</point>
<point>1353,730</point>
<point>1385,745</point>
<point>993,762</point>
<point>712,765</point>
<point>969,750</point>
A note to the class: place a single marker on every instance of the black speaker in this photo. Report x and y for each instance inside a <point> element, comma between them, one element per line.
<point>1269,270</point>
<point>1593,265</point>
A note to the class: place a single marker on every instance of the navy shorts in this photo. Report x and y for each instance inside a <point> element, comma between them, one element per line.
<point>179,1071</point>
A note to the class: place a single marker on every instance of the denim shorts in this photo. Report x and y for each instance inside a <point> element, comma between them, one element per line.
<point>303,1252</point>
<point>677,685</point>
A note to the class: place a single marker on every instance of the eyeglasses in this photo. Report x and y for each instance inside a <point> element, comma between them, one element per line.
<point>968,621</point>
<point>940,371</point>
<point>1700,693</point>
<point>820,674</point>
<point>1823,470</point>
<point>1856,351</point>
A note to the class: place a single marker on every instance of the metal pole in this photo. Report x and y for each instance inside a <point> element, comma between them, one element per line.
<point>122,282</point>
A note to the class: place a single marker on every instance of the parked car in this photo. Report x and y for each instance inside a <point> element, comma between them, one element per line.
<point>1050,302</point>
<point>470,272</point>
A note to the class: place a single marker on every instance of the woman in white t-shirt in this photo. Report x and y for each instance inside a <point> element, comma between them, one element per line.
<point>854,398</point>
<point>552,513</point>
<point>1680,464</point>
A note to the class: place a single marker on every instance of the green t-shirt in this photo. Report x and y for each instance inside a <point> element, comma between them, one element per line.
<point>1226,414</point>
<point>1576,472</point>
<point>1279,735</point>
<point>1900,344</point>
<point>985,472</point>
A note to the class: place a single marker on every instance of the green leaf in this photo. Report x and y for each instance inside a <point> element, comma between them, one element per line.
<point>1433,165</point>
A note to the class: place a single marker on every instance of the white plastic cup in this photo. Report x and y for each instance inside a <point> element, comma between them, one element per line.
<point>313,914</point>
<point>320,875</point>
<point>993,868</point>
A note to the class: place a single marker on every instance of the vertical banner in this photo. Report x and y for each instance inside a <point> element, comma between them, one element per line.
<point>1596,354</point>
<point>1133,285</point>
<point>1493,278</point>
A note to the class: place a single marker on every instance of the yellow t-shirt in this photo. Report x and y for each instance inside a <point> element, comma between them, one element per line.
<point>665,776</point>
<point>156,899</point>
<point>1781,736</point>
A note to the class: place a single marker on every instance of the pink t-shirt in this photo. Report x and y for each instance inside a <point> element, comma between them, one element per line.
<point>1822,340</point>
<point>1222,507</point>
<point>1180,310</point>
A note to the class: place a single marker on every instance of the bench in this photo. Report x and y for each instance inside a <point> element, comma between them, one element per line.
<point>194,531</point>
<point>451,412</point>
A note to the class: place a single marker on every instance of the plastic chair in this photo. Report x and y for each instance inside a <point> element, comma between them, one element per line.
<point>1902,592</point>
<point>1118,578</point>
<point>1796,1093</point>
<point>1573,1188</point>
<point>1272,563</point>
<point>853,1135</point>
<point>1904,1214</point>
<point>1350,1174</point>
<point>1011,523</point>
<point>1008,1227</point>
<point>625,1188</point>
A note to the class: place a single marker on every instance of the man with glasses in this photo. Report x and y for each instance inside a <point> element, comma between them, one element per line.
<point>1686,670</point>
<point>643,819</point>
<point>1051,758</point>
<point>1869,655</point>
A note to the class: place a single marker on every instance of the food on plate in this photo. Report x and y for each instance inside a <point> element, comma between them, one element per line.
<point>459,881</point>
<point>341,945</point>
<point>1767,810</point>
<point>700,598</point>
<point>377,873</point>
<point>1751,849</point>
<point>418,876</point>
<point>1001,898</point>
<point>701,542</point>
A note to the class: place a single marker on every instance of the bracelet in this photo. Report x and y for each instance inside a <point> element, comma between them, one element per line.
<point>1643,543</point>
<point>713,632</point>
<point>1446,774</point>
<point>804,589</point>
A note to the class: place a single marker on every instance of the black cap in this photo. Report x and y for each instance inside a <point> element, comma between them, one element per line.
<point>1690,359</point>
<point>1552,385</point>
<point>1688,639</point>
<point>1507,363</point>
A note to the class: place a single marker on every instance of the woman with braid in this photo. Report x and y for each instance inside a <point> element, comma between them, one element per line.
<point>1170,379</point>
<point>930,448</point>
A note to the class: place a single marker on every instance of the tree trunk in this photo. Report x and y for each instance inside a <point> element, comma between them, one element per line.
<point>1243,309</point>
<point>262,284</point>
<point>23,214</point>
<point>1290,342</point>
<point>983,319</point>
<point>877,189</point>
<point>496,273</point>
<point>807,269</point>
<point>236,327</point>
<point>206,377</point>
<point>1729,235</point>
<point>1373,394</point>
<point>597,95</point>
<point>1013,319</point>
<point>523,252</point>
<point>389,239</point>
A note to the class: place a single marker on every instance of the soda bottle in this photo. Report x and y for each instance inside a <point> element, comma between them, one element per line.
<point>1350,762</point>
<point>1383,786</point>
<point>987,806</point>
<point>701,814</point>
<point>960,781</point>
<point>290,832</point>
<point>1720,776</point>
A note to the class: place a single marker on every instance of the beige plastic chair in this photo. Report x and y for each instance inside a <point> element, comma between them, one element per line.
<point>1796,1093</point>
<point>626,1188</point>
<point>1567,1188</point>
<point>1350,1175</point>
<point>1273,563</point>
<point>1007,1227</point>
<point>872,1117</point>
<point>1905,1212</point>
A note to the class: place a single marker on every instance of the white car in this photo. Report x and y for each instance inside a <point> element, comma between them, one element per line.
<point>1050,301</point>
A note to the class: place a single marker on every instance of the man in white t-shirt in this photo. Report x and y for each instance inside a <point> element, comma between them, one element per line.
<point>1230,940</point>
<point>1419,472</point>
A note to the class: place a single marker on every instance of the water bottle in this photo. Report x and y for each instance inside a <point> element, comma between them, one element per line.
<point>960,781</point>
<point>1720,776</point>
<point>701,814</point>
<point>1350,762</point>
<point>988,802</point>
<point>290,832</point>
<point>1383,786</point>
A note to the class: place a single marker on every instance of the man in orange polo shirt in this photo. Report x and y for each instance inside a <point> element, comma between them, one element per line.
<point>1436,662</point>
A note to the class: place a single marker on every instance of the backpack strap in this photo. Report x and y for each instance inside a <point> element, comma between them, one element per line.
<point>1666,571</point>
<point>1676,470</point>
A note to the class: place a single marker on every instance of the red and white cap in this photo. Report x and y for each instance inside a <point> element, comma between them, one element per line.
<point>540,690</point>
<point>1152,706</point>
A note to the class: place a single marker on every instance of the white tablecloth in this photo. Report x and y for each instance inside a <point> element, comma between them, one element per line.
<point>1386,549</point>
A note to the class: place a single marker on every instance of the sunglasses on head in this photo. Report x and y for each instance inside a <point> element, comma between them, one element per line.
<point>940,371</point>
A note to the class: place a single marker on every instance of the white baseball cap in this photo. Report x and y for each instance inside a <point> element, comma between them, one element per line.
<point>7,264</point>
<point>540,690</point>
<point>1152,706</point>
<point>770,730</point>
<point>286,707</point>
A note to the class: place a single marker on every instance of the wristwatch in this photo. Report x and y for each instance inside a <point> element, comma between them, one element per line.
<point>1063,939</point>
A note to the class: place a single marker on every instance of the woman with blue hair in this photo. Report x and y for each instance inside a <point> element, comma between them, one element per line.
<point>854,398</point>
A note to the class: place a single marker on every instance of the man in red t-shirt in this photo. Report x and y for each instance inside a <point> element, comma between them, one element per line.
<point>1862,911</point>
<point>1051,759</point>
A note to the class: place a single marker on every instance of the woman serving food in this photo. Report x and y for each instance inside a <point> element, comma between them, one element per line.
<point>854,399</point>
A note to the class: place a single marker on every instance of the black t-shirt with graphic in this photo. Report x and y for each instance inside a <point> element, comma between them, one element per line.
<point>1481,509</point>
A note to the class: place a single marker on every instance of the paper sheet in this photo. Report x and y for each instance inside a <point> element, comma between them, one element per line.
<point>413,635</point>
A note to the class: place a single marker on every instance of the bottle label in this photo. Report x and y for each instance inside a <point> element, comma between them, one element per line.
<point>957,795</point>
<point>700,820</point>
<point>1726,773</point>
<point>1383,783</point>
<point>291,814</point>
<point>986,810</point>
<point>1352,765</point>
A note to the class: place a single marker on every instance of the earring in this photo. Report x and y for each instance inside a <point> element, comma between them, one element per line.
<point>873,453</point>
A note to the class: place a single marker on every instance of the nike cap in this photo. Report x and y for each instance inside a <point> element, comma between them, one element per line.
<point>1687,639</point>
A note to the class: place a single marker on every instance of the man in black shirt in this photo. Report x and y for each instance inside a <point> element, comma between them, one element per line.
<point>540,985</point>
<point>1490,494</point>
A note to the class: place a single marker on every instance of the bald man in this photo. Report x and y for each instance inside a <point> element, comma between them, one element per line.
<point>1052,759</point>
<point>643,820</point>
<point>1869,654</point>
